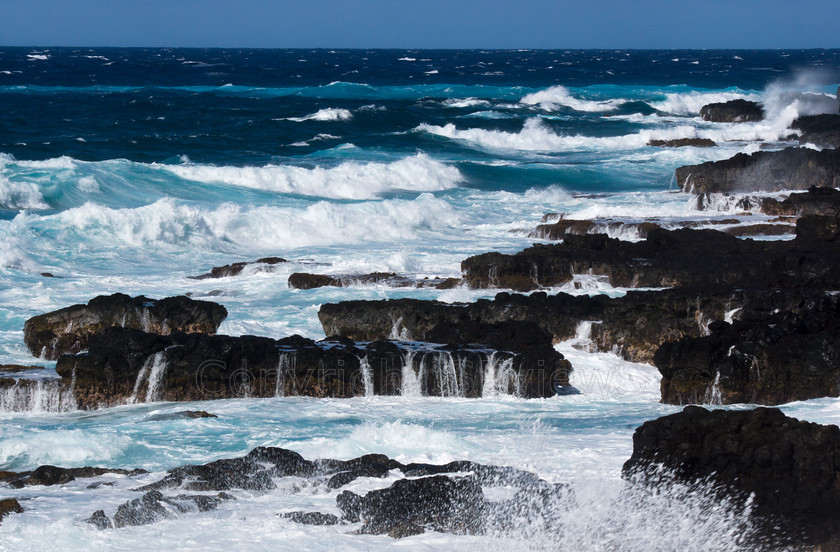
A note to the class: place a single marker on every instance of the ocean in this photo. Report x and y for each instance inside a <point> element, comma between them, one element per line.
<point>130,170</point>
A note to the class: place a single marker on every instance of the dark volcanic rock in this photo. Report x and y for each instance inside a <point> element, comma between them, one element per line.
<point>684,142</point>
<point>767,229</point>
<point>635,324</point>
<point>52,475</point>
<point>304,280</point>
<point>763,358</point>
<point>437,497</point>
<point>440,503</point>
<point>68,330</point>
<point>821,130</point>
<point>763,171</point>
<point>9,506</point>
<point>816,201</point>
<point>734,111</point>
<point>235,268</point>
<point>124,365</point>
<point>666,258</point>
<point>791,468</point>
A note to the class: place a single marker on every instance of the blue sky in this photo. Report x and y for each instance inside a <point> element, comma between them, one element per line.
<point>423,23</point>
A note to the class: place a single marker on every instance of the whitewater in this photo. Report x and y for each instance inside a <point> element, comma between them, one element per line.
<point>141,168</point>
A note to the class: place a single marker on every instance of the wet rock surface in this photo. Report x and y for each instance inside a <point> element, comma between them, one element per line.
<point>667,258</point>
<point>767,171</point>
<point>265,265</point>
<point>734,111</point>
<point>69,330</point>
<point>816,201</point>
<point>124,365</point>
<point>53,475</point>
<point>770,357</point>
<point>446,498</point>
<point>9,506</point>
<point>821,130</point>
<point>304,280</point>
<point>791,468</point>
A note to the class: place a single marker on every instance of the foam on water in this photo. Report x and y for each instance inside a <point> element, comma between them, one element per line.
<point>326,114</point>
<point>555,97</point>
<point>349,180</point>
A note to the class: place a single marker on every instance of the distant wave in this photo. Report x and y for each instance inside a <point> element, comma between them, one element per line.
<point>349,180</point>
<point>559,96</point>
<point>328,114</point>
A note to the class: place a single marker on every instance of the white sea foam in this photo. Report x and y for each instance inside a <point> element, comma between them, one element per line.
<point>466,102</point>
<point>349,180</point>
<point>167,223</point>
<point>559,96</point>
<point>537,137</point>
<point>327,114</point>
<point>20,195</point>
<point>690,103</point>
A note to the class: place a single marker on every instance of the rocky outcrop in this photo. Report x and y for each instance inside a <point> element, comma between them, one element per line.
<point>9,506</point>
<point>763,171</point>
<point>635,325</point>
<point>53,475</point>
<point>684,142</point>
<point>821,130</point>
<point>667,258</point>
<point>447,498</point>
<point>69,330</point>
<point>816,201</point>
<point>124,365</point>
<point>790,468</point>
<point>304,280</point>
<point>558,229</point>
<point>264,265</point>
<point>763,358</point>
<point>734,111</point>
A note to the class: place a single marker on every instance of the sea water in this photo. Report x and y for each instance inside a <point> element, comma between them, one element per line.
<point>129,170</point>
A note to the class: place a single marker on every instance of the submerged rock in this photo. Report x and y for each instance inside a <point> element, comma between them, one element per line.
<point>733,111</point>
<point>304,280</point>
<point>447,498</point>
<point>69,330</point>
<point>234,269</point>
<point>53,475</point>
<point>684,142</point>
<point>9,506</point>
<point>790,468</point>
<point>763,171</point>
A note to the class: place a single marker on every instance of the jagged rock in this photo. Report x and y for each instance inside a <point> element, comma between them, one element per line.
<point>68,330</point>
<point>763,358</point>
<point>816,201</point>
<point>153,507</point>
<point>558,230</point>
<point>52,475</point>
<point>100,520</point>
<point>766,229</point>
<point>734,111</point>
<point>16,368</point>
<point>312,518</point>
<point>409,506</point>
<point>635,324</point>
<point>438,497</point>
<point>667,258</point>
<point>684,142</point>
<point>124,365</point>
<point>791,468</point>
<point>821,130</point>
<point>304,280</point>
<point>819,229</point>
<point>236,268</point>
<point>763,171</point>
<point>9,506</point>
